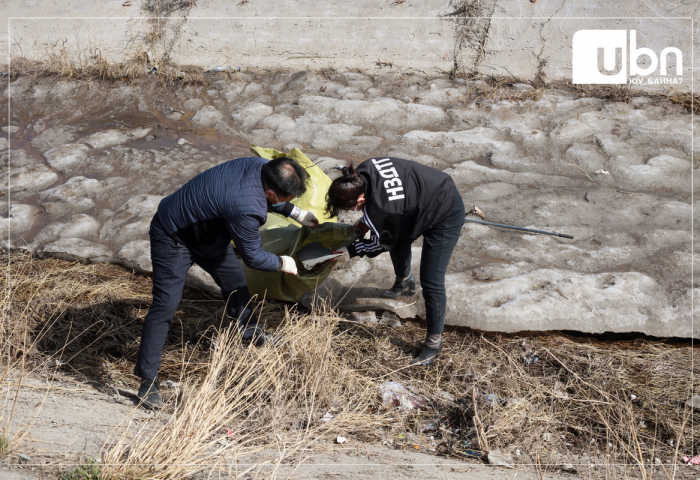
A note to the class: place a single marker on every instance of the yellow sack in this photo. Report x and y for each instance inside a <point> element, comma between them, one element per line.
<point>283,236</point>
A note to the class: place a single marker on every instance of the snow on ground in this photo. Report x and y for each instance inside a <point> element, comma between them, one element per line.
<point>88,167</point>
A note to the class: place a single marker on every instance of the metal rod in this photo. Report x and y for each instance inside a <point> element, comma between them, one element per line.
<point>520,228</point>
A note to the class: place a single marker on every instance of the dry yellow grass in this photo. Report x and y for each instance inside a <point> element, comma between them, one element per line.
<point>577,398</point>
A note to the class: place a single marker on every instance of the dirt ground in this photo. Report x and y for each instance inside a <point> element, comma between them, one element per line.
<point>71,420</point>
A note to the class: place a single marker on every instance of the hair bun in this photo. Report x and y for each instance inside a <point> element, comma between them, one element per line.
<point>349,170</point>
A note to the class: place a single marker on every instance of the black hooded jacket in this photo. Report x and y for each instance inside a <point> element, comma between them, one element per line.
<point>403,200</point>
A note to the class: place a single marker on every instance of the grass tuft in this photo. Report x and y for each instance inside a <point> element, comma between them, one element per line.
<point>89,469</point>
<point>5,445</point>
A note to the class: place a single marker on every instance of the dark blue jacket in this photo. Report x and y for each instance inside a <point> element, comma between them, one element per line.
<point>224,203</point>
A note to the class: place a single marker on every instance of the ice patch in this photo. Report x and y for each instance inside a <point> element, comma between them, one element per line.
<point>251,114</point>
<point>110,138</point>
<point>17,158</point>
<point>137,254</point>
<point>132,221</point>
<point>193,104</point>
<point>53,137</point>
<point>660,172</point>
<point>208,116</point>
<point>79,226</point>
<point>76,249</point>
<point>25,181</point>
<point>549,299</point>
<point>67,157</point>
<point>19,221</point>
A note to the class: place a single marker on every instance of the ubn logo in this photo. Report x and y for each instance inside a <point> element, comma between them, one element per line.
<point>590,45</point>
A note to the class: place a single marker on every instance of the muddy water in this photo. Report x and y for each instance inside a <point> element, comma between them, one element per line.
<point>93,117</point>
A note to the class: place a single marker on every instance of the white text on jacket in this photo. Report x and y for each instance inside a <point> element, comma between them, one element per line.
<point>393,183</point>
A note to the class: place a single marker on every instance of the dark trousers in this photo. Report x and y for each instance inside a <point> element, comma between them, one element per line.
<point>438,244</point>
<point>171,262</point>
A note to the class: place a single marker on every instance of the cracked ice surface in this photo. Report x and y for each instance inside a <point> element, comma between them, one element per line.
<point>87,169</point>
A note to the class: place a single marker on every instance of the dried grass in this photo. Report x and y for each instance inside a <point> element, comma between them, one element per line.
<point>685,99</point>
<point>91,64</point>
<point>576,399</point>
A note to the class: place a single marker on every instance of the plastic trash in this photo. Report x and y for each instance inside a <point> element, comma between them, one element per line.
<point>25,458</point>
<point>393,393</point>
<point>431,423</point>
<point>531,359</point>
<point>182,141</point>
<point>693,402</point>
<point>491,398</point>
<point>327,417</point>
<point>222,69</point>
<point>465,451</point>
<point>170,384</point>
<point>693,461</point>
<point>341,440</point>
<point>496,457</point>
<point>602,172</point>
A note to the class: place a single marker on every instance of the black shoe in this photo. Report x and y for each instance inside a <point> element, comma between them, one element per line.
<point>427,356</point>
<point>149,394</point>
<point>259,337</point>
<point>401,288</point>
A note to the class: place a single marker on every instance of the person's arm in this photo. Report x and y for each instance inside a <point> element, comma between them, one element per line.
<point>382,238</point>
<point>286,209</point>
<point>244,232</point>
<point>290,210</point>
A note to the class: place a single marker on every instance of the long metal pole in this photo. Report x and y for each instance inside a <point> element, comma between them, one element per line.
<point>564,235</point>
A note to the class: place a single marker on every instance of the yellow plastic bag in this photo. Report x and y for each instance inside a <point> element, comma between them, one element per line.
<point>283,236</point>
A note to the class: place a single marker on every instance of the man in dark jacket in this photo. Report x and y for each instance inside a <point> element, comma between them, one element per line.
<point>196,224</point>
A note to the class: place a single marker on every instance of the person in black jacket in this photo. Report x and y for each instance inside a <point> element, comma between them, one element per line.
<point>196,225</point>
<point>401,201</point>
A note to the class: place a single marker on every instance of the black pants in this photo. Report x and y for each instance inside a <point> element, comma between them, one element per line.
<point>171,262</point>
<point>438,244</point>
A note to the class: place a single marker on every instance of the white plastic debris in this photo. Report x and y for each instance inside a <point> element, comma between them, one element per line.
<point>496,457</point>
<point>602,172</point>
<point>341,440</point>
<point>170,384</point>
<point>633,397</point>
<point>182,141</point>
<point>393,393</point>
<point>327,417</point>
<point>693,402</point>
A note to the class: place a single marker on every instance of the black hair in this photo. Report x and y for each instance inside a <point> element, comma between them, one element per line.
<point>285,176</point>
<point>344,191</point>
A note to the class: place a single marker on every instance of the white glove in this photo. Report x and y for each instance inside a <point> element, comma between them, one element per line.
<point>304,217</point>
<point>289,266</point>
<point>344,257</point>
